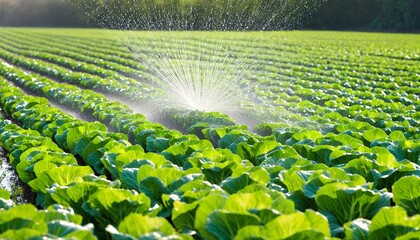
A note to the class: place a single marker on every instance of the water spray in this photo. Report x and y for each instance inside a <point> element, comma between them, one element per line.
<point>194,70</point>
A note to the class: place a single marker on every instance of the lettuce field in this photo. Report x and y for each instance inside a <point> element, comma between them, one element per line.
<point>327,146</point>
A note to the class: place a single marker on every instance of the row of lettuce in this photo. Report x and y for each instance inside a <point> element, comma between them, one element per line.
<point>151,136</point>
<point>103,79</point>
<point>57,177</point>
<point>156,138</point>
<point>339,181</point>
<point>261,187</point>
<point>342,87</point>
<point>180,119</point>
<point>323,115</point>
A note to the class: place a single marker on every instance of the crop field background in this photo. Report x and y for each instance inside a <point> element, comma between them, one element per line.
<point>320,138</point>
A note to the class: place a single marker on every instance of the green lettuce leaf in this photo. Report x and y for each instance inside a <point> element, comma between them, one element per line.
<point>111,206</point>
<point>222,224</point>
<point>61,176</point>
<point>357,229</point>
<point>69,230</point>
<point>308,225</point>
<point>393,222</point>
<point>407,194</point>
<point>349,203</point>
<point>138,226</point>
<point>76,194</point>
<point>21,217</point>
<point>208,204</point>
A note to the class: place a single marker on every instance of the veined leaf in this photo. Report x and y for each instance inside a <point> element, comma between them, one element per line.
<point>407,194</point>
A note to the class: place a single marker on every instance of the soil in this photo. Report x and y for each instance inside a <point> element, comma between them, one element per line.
<point>19,192</point>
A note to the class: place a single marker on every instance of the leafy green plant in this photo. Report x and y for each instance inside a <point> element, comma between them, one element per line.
<point>393,223</point>
<point>25,221</point>
<point>343,203</point>
<point>407,194</point>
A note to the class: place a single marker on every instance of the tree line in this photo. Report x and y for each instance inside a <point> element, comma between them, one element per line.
<point>369,15</point>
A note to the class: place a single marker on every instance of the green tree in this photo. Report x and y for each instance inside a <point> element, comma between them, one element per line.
<point>401,15</point>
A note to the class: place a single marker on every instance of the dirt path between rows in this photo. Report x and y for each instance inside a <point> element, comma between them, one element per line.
<point>9,181</point>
